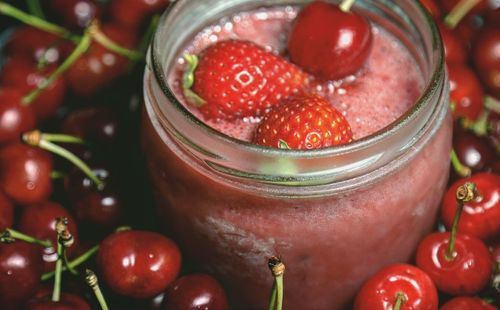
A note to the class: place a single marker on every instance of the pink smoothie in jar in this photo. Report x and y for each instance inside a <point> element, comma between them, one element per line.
<point>335,216</point>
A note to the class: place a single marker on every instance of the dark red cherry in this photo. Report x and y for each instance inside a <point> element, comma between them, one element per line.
<point>466,271</point>
<point>480,217</point>
<point>473,151</point>
<point>132,13</point>
<point>467,303</point>
<point>454,49</point>
<point>381,290</point>
<point>329,42</point>
<point>138,264</point>
<point>15,118</point>
<point>25,173</point>
<point>23,75</point>
<point>195,291</point>
<point>492,18</point>
<point>432,8</point>
<point>40,220</point>
<point>494,130</point>
<point>486,58</point>
<point>20,269</point>
<point>77,13</point>
<point>32,43</point>
<point>67,302</point>
<point>6,212</point>
<point>466,92</point>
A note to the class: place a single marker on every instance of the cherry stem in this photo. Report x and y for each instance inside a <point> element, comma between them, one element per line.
<point>99,37</point>
<point>35,8</point>
<point>79,50</point>
<point>479,127</point>
<point>35,138</point>
<point>146,39</point>
<point>346,5</point>
<point>458,12</point>
<point>74,263</point>
<point>32,20</point>
<point>61,227</point>
<point>461,169</point>
<point>400,299</point>
<point>56,174</point>
<point>492,104</point>
<point>10,235</point>
<point>63,138</point>
<point>92,281</point>
<point>465,193</point>
<point>277,269</point>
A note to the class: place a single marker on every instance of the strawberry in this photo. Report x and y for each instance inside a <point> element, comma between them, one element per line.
<point>235,79</point>
<point>305,121</point>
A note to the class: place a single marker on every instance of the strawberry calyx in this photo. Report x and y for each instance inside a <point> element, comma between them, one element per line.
<point>188,80</point>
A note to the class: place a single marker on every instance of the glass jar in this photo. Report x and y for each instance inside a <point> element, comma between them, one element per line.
<point>335,215</point>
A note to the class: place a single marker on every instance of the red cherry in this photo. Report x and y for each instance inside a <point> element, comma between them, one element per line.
<point>473,151</point>
<point>492,18</point>
<point>468,271</point>
<point>67,302</point>
<point>20,270</point>
<point>138,264</point>
<point>481,217</point>
<point>467,303</point>
<point>32,43</point>
<point>77,13</point>
<point>486,58</point>
<point>25,173</point>
<point>454,49</point>
<point>39,221</point>
<point>329,42</point>
<point>6,212</point>
<point>380,291</point>
<point>132,13</point>
<point>195,291</point>
<point>432,8</point>
<point>23,75</point>
<point>15,118</point>
<point>466,92</point>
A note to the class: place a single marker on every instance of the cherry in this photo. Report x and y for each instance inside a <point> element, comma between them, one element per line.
<point>23,75</point>
<point>487,59</point>
<point>328,41</point>
<point>432,8</point>
<point>466,92</point>
<point>481,217</point>
<point>494,130</point>
<point>20,270</point>
<point>6,212</point>
<point>67,302</point>
<point>32,43</point>
<point>132,13</point>
<point>383,289</point>
<point>25,173</point>
<point>138,264</point>
<point>473,151</point>
<point>492,18</point>
<point>195,291</point>
<point>15,117</point>
<point>454,49</point>
<point>39,221</point>
<point>77,13</point>
<point>467,303</point>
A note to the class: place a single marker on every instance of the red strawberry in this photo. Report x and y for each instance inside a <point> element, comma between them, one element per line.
<point>303,122</point>
<point>234,79</point>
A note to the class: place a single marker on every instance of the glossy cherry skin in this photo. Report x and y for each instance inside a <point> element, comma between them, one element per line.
<point>138,264</point>
<point>15,118</point>
<point>23,75</point>
<point>473,151</point>
<point>77,13</point>
<point>380,291</point>
<point>467,303</point>
<point>486,58</point>
<point>466,92</point>
<point>32,43</point>
<point>195,291</point>
<point>481,217</point>
<point>468,272</point>
<point>67,302</point>
<point>132,13</point>
<point>40,220</point>
<point>6,212</point>
<point>317,41</point>
<point>25,173</point>
<point>20,269</point>
<point>432,8</point>
<point>454,49</point>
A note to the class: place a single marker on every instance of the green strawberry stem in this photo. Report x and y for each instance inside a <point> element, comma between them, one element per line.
<point>32,20</point>
<point>400,299</point>
<point>346,5</point>
<point>188,80</point>
<point>10,235</point>
<point>99,37</point>
<point>277,269</point>
<point>91,279</point>
<point>480,127</point>
<point>35,138</point>
<point>461,169</point>
<point>74,263</point>
<point>492,104</point>
<point>465,193</point>
<point>35,8</point>
<point>458,12</point>
<point>80,49</point>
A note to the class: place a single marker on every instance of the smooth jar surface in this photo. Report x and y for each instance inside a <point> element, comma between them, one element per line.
<point>331,242</point>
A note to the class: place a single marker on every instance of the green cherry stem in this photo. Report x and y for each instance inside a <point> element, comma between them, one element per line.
<point>479,127</point>
<point>32,20</point>
<point>492,104</point>
<point>79,50</point>
<point>146,39</point>
<point>74,263</point>
<point>35,8</point>
<point>92,281</point>
<point>465,193</point>
<point>346,5</point>
<point>400,300</point>
<point>10,235</point>
<point>99,37</point>
<point>458,12</point>
<point>461,169</point>
<point>277,269</point>
<point>61,228</point>
<point>62,138</point>
<point>35,138</point>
